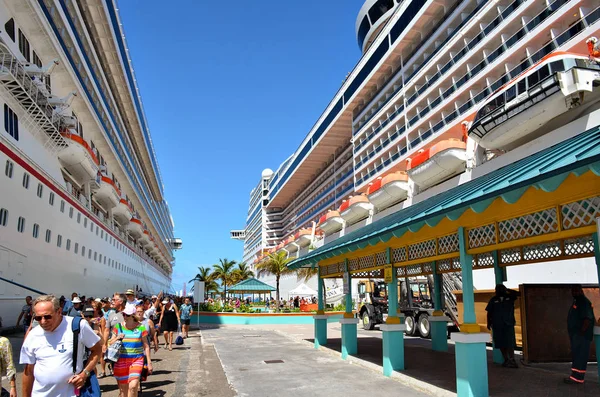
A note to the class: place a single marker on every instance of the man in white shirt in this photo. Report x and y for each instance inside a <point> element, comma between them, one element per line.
<point>48,352</point>
<point>131,300</point>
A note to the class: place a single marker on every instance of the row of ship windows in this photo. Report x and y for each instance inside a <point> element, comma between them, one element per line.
<point>9,170</point>
<point>21,222</point>
<point>401,128</point>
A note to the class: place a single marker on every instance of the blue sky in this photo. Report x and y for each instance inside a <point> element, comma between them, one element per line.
<point>231,88</point>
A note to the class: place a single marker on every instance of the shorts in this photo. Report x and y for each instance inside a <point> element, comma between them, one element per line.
<point>128,369</point>
<point>504,337</point>
<point>185,322</point>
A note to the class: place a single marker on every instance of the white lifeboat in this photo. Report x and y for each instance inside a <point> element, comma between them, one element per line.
<point>123,211</point>
<point>355,208</point>
<point>303,237</point>
<point>135,227</point>
<point>388,190</point>
<point>438,163</point>
<point>78,158</point>
<point>108,193</point>
<point>331,222</point>
<point>289,245</point>
<point>548,95</point>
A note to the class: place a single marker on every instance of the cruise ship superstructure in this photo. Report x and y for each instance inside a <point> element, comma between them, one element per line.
<point>82,205</point>
<point>403,125</point>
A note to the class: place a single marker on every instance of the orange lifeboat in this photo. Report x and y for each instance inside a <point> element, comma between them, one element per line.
<point>145,238</point>
<point>135,227</point>
<point>388,190</point>
<point>289,244</point>
<point>331,222</point>
<point>355,209</point>
<point>304,237</point>
<point>108,194</point>
<point>78,157</point>
<point>438,163</point>
<point>123,211</point>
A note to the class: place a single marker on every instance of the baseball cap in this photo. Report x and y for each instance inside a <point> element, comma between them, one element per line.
<point>164,302</point>
<point>97,300</point>
<point>76,300</point>
<point>88,311</point>
<point>129,310</point>
<point>105,299</point>
<point>129,292</point>
<point>154,297</point>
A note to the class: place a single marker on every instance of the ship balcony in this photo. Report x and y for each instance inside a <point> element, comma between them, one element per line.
<point>135,227</point>
<point>303,237</point>
<point>123,211</point>
<point>388,190</point>
<point>438,163</point>
<point>107,194</point>
<point>78,158</point>
<point>355,209</point>
<point>331,222</point>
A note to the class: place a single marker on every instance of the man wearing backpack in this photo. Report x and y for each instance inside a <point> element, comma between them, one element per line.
<point>48,352</point>
<point>26,314</point>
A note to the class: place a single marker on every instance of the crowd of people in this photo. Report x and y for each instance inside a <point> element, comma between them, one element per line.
<point>115,337</point>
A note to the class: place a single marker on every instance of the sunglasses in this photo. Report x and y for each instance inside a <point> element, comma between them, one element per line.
<point>46,317</point>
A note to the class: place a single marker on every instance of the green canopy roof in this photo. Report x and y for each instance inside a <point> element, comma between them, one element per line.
<point>545,170</point>
<point>251,285</point>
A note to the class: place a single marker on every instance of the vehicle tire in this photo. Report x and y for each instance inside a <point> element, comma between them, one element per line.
<point>424,325</point>
<point>409,321</point>
<point>367,323</point>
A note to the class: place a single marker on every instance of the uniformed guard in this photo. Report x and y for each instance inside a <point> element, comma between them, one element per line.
<point>580,324</point>
<point>501,320</point>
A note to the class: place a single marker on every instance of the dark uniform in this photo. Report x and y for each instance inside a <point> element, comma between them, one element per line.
<point>502,312</point>
<point>580,342</point>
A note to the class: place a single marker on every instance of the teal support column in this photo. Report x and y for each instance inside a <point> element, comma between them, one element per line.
<point>471,365</point>
<point>320,318</point>
<point>597,256</point>
<point>466,263</point>
<point>349,323</point>
<point>438,321</point>
<point>392,331</point>
<point>470,351</point>
<point>500,276</point>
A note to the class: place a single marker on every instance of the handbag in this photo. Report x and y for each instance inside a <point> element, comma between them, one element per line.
<point>179,339</point>
<point>91,387</point>
<point>114,351</point>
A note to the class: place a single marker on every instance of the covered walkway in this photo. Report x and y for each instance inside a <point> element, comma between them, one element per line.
<point>538,209</point>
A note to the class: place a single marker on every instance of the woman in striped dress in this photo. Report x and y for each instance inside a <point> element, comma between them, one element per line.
<point>128,369</point>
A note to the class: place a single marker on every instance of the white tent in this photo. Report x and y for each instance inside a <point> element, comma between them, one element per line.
<point>302,290</point>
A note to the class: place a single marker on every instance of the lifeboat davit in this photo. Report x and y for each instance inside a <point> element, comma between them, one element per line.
<point>548,95</point>
<point>78,158</point>
<point>388,190</point>
<point>304,237</point>
<point>108,193</point>
<point>123,211</point>
<point>135,227</point>
<point>331,222</point>
<point>355,209</point>
<point>438,163</point>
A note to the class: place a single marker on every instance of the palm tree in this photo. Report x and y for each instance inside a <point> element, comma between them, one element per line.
<point>306,273</point>
<point>276,265</point>
<point>243,272</point>
<point>223,271</point>
<point>204,274</point>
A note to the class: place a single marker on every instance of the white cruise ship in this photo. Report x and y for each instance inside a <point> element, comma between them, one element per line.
<point>82,206</point>
<point>397,131</point>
